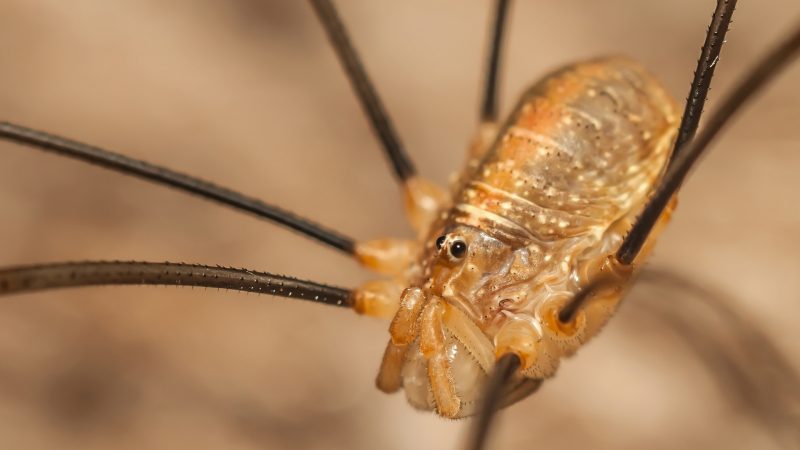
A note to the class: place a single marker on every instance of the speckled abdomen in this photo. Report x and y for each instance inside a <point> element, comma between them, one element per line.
<point>582,148</point>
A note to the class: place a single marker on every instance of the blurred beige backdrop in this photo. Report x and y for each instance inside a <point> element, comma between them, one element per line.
<point>248,94</point>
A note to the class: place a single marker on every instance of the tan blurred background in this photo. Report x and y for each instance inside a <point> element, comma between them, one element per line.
<point>247,93</point>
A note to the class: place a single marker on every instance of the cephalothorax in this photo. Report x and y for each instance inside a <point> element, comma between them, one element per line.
<point>521,263</point>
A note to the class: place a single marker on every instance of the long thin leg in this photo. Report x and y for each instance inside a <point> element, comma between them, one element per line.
<point>186,183</point>
<point>16,280</point>
<point>698,92</point>
<point>766,69</point>
<point>422,199</point>
<point>367,95</point>
<point>487,128</point>
<point>489,103</point>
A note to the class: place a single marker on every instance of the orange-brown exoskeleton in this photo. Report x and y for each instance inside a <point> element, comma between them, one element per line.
<point>520,263</point>
<point>536,218</point>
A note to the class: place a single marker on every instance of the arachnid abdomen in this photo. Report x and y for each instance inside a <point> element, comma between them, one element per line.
<point>582,148</point>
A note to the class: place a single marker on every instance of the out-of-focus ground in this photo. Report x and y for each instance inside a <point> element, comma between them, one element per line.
<point>248,94</point>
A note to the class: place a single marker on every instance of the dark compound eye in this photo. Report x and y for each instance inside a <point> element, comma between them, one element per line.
<point>440,241</point>
<point>458,249</point>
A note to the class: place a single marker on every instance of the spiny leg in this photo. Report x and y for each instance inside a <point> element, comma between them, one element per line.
<point>377,298</point>
<point>24,279</point>
<point>765,70</point>
<point>701,83</point>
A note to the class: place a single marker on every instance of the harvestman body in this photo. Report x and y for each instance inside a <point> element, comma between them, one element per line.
<point>524,262</point>
<point>534,220</point>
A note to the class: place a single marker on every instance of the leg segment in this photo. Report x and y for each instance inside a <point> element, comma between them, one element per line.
<point>365,91</point>
<point>466,332</point>
<point>387,256</point>
<point>423,201</point>
<point>176,180</point>
<point>489,102</point>
<point>487,130</point>
<point>403,330</point>
<point>432,345</point>
<point>698,92</point>
<point>758,77</point>
<point>520,338</point>
<point>481,141</point>
<point>701,84</point>
<point>378,298</point>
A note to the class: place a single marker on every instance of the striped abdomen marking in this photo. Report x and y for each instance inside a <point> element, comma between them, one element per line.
<point>583,147</point>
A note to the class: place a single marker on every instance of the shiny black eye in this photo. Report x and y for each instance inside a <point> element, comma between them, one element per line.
<point>440,241</point>
<point>458,249</point>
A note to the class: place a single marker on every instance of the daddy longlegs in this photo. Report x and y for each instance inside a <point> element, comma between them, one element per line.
<point>322,294</point>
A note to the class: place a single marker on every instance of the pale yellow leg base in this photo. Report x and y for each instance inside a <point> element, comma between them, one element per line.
<point>520,338</point>
<point>423,202</point>
<point>387,256</point>
<point>483,140</point>
<point>378,298</point>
